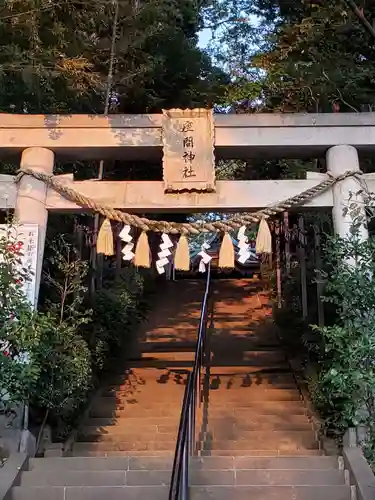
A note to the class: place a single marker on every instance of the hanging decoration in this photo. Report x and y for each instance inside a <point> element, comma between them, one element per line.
<point>142,256</point>
<point>194,228</point>
<point>125,236</point>
<point>226,254</point>
<point>264,238</point>
<point>104,241</point>
<point>205,258</point>
<point>164,253</point>
<point>182,254</point>
<point>243,245</point>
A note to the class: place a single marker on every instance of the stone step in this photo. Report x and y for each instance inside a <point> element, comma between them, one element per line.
<point>125,446</point>
<point>223,383</point>
<point>270,404</point>
<point>259,408</point>
<point>165,392</point>
<point>270,493</point>
<point>259,453</point>
<point>196,493</point>
<point>167,424</point>
<point>220,428</point>
<point>245,343</point>
<point>253,357</point>
<point>127,430</point>
<point>239,343</point>
<point>234,336</point>
<point>135,411</point>
<point>288,440</point>
<point>152,383</point>
<point>139,436</point>
<point>242,381</point>
<point>242,412</point>
<point>250,354</point>
<point>165,463</point>
<point>202,454</point>
<point>151,373</point>
<point>144,400</point>
<point>254,394</point>
<point>103,408</point>
<point>160,346</point>
<point>110,454</point>
<point>227,477</point>
<point>226,369</point>
<point>131,422</point>
<point>173,332</point>
<point>237,382</point>
<point>246,365</point>
<point>256,398</point>
<point>91,493</point>
<point>145,375</point>
<point>165,398</point>
<point>253,440</point>
<point>86,463</point>
<point>279,462</point>
<point>168,356</point>
<point>161,364</point>
<point>233,434</point>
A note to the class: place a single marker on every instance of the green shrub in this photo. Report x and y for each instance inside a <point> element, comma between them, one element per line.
<point>118,308</point>
<point>52,358</point>
<point>345,384</point>
<point>43,359</point>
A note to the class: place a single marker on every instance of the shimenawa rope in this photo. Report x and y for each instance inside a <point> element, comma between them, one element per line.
<point>183,228</point>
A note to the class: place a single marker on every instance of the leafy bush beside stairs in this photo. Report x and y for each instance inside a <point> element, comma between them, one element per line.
<point>340,357</point>
<point>54,357</point>
<point>119,307</point>
<point>344,387</point>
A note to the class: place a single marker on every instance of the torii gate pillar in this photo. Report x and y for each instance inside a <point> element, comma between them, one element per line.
<point>341,159</point>
<point>30,205</point>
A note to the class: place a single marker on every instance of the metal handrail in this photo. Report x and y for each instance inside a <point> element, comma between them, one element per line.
<point>185,446</point>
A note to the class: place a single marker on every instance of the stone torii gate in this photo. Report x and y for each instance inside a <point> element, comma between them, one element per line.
<point>188,140</point>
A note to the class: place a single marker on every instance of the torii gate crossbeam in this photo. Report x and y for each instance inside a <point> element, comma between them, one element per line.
<point>40,140</point>
<point>149,197</point>
<point>140,136</point>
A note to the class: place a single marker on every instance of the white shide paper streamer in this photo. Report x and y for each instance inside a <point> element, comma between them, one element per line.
<point>126,237</point>
<point>243,245</point>
<point>164,253</point>
<point>205,258</point>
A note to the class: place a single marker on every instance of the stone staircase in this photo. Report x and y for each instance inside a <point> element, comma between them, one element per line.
<point>255,438</point>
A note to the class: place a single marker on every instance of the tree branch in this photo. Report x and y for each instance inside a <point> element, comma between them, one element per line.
<point>215,26</point>
<point>27,12</point>
<point>340,93</point>
<point>359,13</point>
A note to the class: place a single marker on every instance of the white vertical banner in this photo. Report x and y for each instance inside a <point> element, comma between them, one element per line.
<point>28,235</point>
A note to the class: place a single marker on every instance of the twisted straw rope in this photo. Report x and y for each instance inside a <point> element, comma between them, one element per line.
<point>183,227</point>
